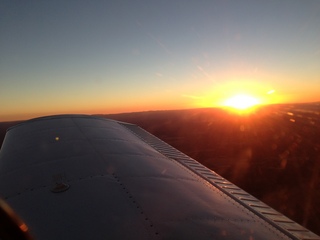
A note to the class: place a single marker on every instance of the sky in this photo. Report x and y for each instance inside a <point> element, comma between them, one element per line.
<point>124,56</point>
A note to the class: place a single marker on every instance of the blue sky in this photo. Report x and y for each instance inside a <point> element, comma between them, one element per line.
<point>118,56</point>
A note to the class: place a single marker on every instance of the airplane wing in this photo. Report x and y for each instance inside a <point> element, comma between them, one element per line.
<point>83,177</point>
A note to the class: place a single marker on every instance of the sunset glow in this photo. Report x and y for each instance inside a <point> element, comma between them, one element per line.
<point>113,57</point>
<point>241,102</point>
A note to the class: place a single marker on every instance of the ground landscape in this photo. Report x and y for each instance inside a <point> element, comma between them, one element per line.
<point>273,153</point>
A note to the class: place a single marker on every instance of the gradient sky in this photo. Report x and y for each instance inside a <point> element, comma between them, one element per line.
<point>123,56</point>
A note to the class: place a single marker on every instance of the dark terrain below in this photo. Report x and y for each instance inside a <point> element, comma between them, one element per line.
<point>273,153</point>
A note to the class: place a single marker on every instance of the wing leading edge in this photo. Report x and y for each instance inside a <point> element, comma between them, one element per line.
<point>80,177</point>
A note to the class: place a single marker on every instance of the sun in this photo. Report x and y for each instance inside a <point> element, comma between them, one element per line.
<point>241,102</point>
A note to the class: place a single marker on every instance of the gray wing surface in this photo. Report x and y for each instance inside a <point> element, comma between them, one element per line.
<point>82,177</point>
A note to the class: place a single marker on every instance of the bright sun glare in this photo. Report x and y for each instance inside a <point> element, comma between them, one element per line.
<point>241,102</point>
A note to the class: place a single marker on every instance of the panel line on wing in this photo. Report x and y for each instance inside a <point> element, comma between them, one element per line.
<point>214,179</point>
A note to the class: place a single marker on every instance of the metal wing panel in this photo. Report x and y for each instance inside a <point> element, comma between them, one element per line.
<point>269,215</point>
<point>118,181</point>
<point>197,210</point>
<point>93,208</point>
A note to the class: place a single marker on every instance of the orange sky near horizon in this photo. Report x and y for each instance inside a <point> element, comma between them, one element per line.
<point>214,97</point>
<point>112,57</point>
